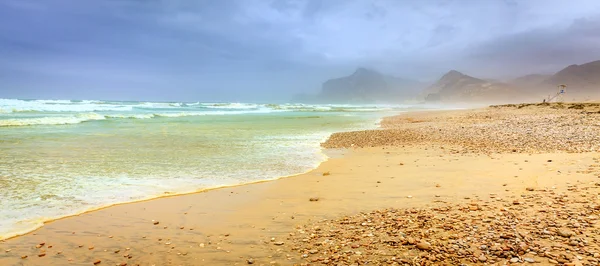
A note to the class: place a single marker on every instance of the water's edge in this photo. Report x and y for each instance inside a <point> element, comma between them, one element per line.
<point>376,125</point>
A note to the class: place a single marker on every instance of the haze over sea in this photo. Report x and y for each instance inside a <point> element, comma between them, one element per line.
<point>64,157</point>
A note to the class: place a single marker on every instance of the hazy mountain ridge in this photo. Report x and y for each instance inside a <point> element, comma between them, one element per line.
<point>582,81</point>
<point>455,86</point>
<point>370,86</point>
<point>364,86</point>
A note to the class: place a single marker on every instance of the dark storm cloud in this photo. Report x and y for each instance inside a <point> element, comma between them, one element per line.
<point>263,50</point>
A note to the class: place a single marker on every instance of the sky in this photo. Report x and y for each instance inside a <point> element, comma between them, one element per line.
<point>269,50</point>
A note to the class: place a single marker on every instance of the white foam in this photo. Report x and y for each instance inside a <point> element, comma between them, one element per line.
<point>231,105</point>
<point>13,105</point>
<point>58,120</point>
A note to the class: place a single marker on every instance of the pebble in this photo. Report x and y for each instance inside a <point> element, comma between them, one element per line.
<point>314,199</point>
<point>482,258</point>
<point>565,232</point>
<point>96,262</point>
<point>250,261</point>
<point>423,245</point>
<point>278,243</point>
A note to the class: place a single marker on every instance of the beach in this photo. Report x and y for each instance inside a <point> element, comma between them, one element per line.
<point>497,185</point>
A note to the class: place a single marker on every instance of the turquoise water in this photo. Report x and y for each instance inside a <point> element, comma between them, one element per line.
<point>59,158</point>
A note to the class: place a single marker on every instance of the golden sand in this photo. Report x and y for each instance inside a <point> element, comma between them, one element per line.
<point>259,223</point>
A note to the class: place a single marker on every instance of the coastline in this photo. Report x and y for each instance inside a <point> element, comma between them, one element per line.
<point>246,217</point>
<point>44,221</point>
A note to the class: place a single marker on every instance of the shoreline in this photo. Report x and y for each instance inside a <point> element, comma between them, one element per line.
<point>233,224</point>
<point>376,125</point>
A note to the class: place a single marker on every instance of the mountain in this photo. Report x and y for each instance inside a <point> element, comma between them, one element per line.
<point>533,80</point>
<point>365,86</point>
<point>458,87</point>
<point>583,81</point>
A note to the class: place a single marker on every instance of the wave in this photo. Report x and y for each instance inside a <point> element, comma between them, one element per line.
<point>231,105</point>
<point>80,118</point>
<point>16,106</point>
<point>62,120</point>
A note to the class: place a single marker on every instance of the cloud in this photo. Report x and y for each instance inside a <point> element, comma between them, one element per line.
<point>542,50</point>
<point>279,47</point>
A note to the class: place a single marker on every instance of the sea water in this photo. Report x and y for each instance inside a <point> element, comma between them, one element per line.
<point>63,157</point>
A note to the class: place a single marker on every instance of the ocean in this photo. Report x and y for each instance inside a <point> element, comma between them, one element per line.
<point>65,157</point>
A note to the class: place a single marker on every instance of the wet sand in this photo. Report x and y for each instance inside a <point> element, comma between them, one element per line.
<point>259,222</point>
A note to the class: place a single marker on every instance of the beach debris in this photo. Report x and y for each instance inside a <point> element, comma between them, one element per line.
<point>537,230</point>
<point>326,173</point>
<point>565,233</point>
<point>423,245</point>
<point>314,199</point>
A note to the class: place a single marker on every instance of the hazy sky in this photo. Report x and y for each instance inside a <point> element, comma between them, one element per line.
<point>265,50</point>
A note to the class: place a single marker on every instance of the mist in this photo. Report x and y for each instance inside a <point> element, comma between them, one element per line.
<point>268,51</point>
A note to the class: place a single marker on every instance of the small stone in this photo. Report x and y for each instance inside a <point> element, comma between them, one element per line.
<point>8,250</point>
<point>409,196</point>
<point>24,257</point>
<point>549,161</point>
<point>314,199</point>
<point>41,254</point>
<point>97,262</point>
<point>530,260</point>
<point>250,261</point>
<point>529,189</point>
<point>155,222</point>
<point>278,243</point>
<point>326,173</point>
<point>565,233</point>
<point>482,258</point>
<point>437,185</point>
<point>552,261</point>
<point>423,245</point>
<point>514,260</point>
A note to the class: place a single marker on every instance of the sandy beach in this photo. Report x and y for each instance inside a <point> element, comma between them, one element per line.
<point>498,185</point>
